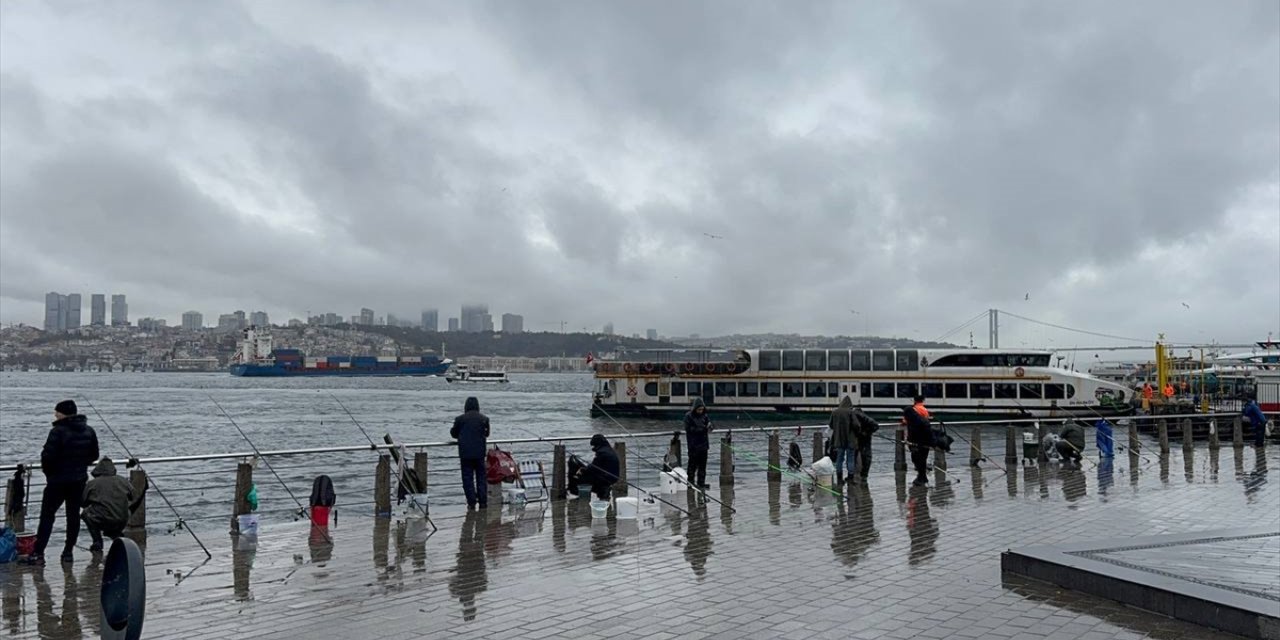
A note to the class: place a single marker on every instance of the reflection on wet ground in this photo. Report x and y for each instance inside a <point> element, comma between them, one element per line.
<point>755,558</point>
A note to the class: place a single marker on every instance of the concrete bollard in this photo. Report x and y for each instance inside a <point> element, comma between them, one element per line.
<point>775,458</point>
<point>558,473</point>
<point>620,487</point>
<point>1237,432</point>
<point>818,450</point>
<point>1162,430</point>
<point>382,487</point>
<point>420,468</point>
<point>1214,443</point>
<point>1134,445</point>
<point>1187,444</point>
<point>975,451</point>
<point>726,462</point>
<point>138,519</point>
<point>1011,445</point>
<point>240,505</point>
<point>899,450</point>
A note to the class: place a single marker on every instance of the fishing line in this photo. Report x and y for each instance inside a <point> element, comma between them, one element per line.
<point>948,429</point>
<point>373,446</point>
<point>180,523</point>
<point>302,510</point>
<point>950,478</point>
<point>806,477</point>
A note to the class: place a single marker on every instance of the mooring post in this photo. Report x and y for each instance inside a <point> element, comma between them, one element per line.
<point>17,520</point>
<point>138,519</point>
<point>1011,444</point>
<point>818,450</point>
<point>1134,445</point>
<point>975,451</point>
<point>1214,443</point>
<point>899,450</point>
<point>1187,445</point>
<point>1042,432</point>
<point>675,448</point>
<point>382,487</point>
<point>726,461</point>
<point>1162,431</point>
<point>775,458</point>
<point>420,466</point>
<point>1237,433</point>
<point>244,480</point>
<point>558,472</point>
<point>620,487</point>
<point>939,458</point>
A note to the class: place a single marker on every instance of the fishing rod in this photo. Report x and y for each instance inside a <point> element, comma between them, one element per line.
<point>1116,442</point>
<point>180,524</point>
<point>947,428</point>
<point>302,510</point>
<point>807,476</point>
<point>373,446</point>
<point>685,481</point>
<point>950,479</point>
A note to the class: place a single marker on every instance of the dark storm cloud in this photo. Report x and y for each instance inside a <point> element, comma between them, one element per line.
<point>571,162</point>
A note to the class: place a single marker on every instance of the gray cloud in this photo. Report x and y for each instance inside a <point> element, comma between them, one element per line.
<point>916,163</point>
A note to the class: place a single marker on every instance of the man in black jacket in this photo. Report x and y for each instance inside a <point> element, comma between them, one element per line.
<point>602,473</point>
<point>919,438</point>
<point>471,430</point>
<point>697,434</point>
<point>865,427</point>
<point>71,447</point>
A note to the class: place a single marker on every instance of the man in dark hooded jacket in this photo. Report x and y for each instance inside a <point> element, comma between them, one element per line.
<point>602,473</point>
<point>471,430</point>
<point>71,447</point>
<point>843,439</point>
<point>1071,445</point>
<point>108,500</point>
<point>919,439</point>
<point>864,426</point>
<point>697,433</point>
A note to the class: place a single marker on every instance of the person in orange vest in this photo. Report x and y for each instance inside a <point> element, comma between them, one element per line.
<point>1167,392</point>
<point>1147,392</point>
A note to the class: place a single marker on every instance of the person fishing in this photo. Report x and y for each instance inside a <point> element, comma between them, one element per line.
<point>471,431</point>
<point>864,428</point>
<point>1104,438</point>
<point>602,473</point>
<point>71,447</point>
<point>1071,443</point>
<point>108,500</point>
<point>1257,420</point>
<point>842,426</point>
<point>919,438</point>
<point>697,433</point>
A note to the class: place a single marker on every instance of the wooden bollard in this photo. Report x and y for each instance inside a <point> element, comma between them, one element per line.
<point>18,519</point>
<point>620,487</point>
<point>558,473</point>
<point>1214,443</point>
<point>1237,433</point>
<point>1162,431</point>
<point>1042,432</point>
<point>726,462</point>
<point>775,458</point>
<point>1187,444</point>
<point>675,449</point>
<point>1134,445</point>
<point>382,487</point>
<point>420,467</point>
<point>138,519</point>
<point>899,450</point>
<point>240,506</point>
<point>939,459</point>
<point>1011,444</point>
<point>818,450</point>
<point>975,451</point>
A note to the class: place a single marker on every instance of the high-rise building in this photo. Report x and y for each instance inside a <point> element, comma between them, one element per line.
<point>486,323</point>
<point>241,321</point>
<point>151,325</point>
<point>512,323</point>
<point>431,320</point>
<point>259,319</point>
<point>119,311</point>
<point>453,324</point>
<point>54,317</point>
<point>227,322</point>
<point>366,316</point>
<point>192,321</point>
<point>473,317</point>
<point>98,310</point>
<point>608,329</point>
<point>73,311</point>
<point>332,319</point>
<point>392,320</point>
<point>651,334</point>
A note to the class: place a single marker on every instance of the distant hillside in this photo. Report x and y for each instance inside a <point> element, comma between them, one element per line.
<point>520,345</point>
<point>795,341</point>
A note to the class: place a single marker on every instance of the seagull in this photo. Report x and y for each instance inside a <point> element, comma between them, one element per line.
<point>713,237</point>
<point>1186,305</point>
<point>1027,297</point>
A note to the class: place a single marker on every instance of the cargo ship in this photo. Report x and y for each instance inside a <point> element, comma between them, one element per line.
<point>255,357</point>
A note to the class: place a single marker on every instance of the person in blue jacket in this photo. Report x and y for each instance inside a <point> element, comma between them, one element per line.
<point>471,430</point>
<point>1258,419</point>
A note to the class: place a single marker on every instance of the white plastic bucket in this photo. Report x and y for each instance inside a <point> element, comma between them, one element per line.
<point>416,506</point>
<point>628,508</point>
<point>672,480</point>
<point>599,508</point>
<point>824,480</point>
<point>248,524</point>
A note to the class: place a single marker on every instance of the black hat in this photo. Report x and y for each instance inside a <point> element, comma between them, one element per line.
<point>598,441</point>
<point>66,408</point>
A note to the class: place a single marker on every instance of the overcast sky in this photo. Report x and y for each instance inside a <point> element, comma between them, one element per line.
<point>1116,163</point>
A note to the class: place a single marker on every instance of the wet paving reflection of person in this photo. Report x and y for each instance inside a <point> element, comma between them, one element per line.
<point>922,528</point>
<point>469,578</point>
<point>53,625</point>
<point>775,502</point>
<point>853,529</point>
<point>697,545</point>
<point>1073,484</point>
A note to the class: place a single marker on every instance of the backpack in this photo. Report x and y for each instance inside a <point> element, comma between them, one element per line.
<point>942,439</point>
<point>8,545</point>
<point>794,458</point>
<point>672,459</point>
<point>322,494</point>
<point>500,466</point>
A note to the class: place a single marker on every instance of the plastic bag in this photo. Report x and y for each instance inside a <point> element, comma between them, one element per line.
<point>824,467</point>
<point>252,497</point>
<point>8,545</point>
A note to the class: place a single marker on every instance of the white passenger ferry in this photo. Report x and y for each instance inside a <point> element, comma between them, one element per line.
<point>754,382</point>
<point>463,373</point>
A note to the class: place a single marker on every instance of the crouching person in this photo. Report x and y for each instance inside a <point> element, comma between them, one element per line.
<point>601,474</point>
<point>1071,444</point>
<point>108,500</point>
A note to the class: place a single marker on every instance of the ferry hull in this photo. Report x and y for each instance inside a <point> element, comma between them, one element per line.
<point>786,413</point>
<point>279,371</point>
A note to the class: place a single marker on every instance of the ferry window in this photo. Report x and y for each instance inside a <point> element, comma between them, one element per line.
<point>980,390</point>
<point>793,389</point>
<point>957,390</point>
<point>864,389</point>
<point>771,389</point>
<point>882,390</point>
<point>908,360</point>
<point>1055,392</point>
<point>1071,392</point>
<point>726,389</point>
<point>882,360</point>
<point>931,389</point>
<point>1030,391</point>
<point>677,388</point>
<point>833,389</point>
<point>750,389</point>
<point>793,360</point>
<point>1006,390</point>
<point>815,360</point>
<point>695,389</point>
<point>815,390</point>
<point>651,389</point>
<point>860,360</point>
<point>771,360</point>
<point>908,389</point>
<point>838,360</point>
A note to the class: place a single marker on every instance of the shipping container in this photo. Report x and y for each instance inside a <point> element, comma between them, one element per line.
<point>344,365</point>
<point>337,359</point>
<point>312,362</point>
<point>391,359</point>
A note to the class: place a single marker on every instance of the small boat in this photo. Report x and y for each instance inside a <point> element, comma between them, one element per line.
<point>463,373</point>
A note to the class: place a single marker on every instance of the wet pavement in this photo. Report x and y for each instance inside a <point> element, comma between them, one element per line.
<point>885,561</point>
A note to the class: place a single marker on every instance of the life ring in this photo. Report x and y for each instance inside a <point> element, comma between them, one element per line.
<point>671,369</point>
<point>689,367</point>
<point>648,367</point>
<point>710,368</point>
<point>731,367</point>
<point>1019,372</point>
<point>627,367</point>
